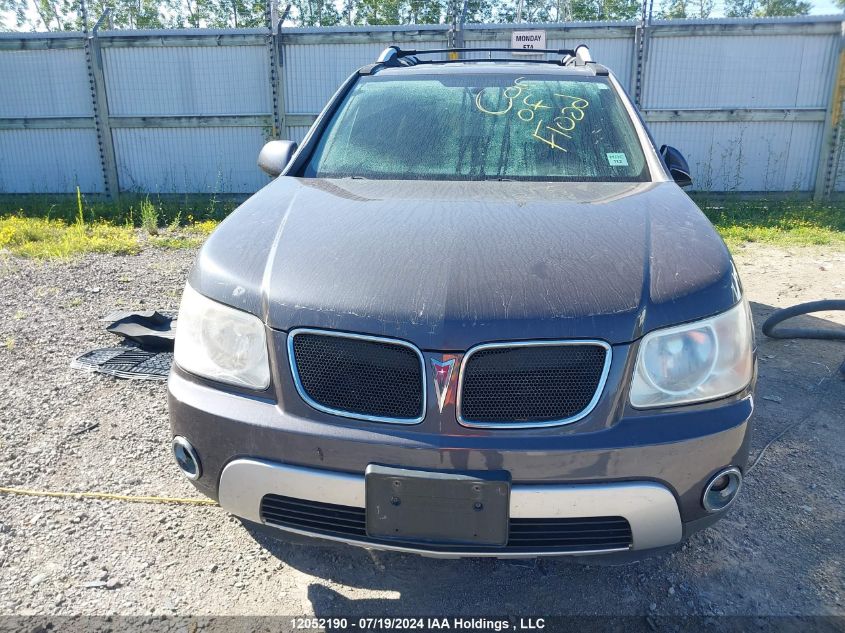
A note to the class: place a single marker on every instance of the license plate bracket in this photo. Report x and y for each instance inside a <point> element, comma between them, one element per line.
<point>460,508</point>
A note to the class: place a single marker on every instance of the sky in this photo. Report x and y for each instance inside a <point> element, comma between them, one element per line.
<point>824,7</point>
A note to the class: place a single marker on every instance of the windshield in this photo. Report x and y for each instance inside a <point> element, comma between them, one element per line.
<point>480,127</point>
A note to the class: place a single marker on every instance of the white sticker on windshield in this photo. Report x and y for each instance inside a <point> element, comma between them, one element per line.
<point>617,159</point>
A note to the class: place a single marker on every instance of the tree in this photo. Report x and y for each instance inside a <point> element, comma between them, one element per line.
<point>772,8</point>
<point>128,14</point>
<point>739,8</point>
<point>66,15</point>
<point>315,13</point>
<point>674,10</point>
<point>703,8</point>
<point>59,15</point>
<point>481,11</point>
<point>766,8</point>
<point>235,13</point>
<point>605,9</point>
<point>680,9</point>
<point>53,15</point>
<point>347,12</point>
<point>377,12</point>
<point>532,11</point>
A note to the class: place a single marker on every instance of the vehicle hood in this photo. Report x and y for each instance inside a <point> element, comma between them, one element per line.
<point>447,265</point>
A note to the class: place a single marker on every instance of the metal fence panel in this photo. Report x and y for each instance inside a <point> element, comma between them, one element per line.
<point>297,133</point>
<point>44,83</point>
<point>314,71</point>
<point>199,160</point>
<point>49,161</point>
<point>746,156</point>
<point>739,71</point>
<point>176,80</point>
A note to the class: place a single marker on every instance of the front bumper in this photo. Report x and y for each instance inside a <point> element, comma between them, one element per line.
<point>648,467</point>
<point>649,508</point>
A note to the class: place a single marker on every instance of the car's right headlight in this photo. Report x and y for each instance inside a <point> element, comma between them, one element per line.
<point>221,343</point>
<point>698,361</point>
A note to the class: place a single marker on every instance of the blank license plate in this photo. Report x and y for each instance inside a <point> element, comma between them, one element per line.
<point>440,507</point>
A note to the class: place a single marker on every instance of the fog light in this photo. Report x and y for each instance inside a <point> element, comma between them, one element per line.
<point>186,458</point>
<point>722,490</point>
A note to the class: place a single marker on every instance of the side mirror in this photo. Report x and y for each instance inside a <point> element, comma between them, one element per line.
<point>275,156</point>
<point>677,165</point>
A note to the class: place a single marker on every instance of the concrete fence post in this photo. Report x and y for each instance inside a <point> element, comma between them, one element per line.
<point>641,32</point>
<point>827,164</point>
<point>277,83</point>
<point>97,79</point>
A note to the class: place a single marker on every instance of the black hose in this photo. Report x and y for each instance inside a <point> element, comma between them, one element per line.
<point>779,316</point>
<point>804,308</point>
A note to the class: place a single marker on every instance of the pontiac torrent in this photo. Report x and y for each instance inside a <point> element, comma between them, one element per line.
<point>474,314</point>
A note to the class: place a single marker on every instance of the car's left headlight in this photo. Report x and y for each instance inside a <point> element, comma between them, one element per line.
<point>698,361</point>
<point>221,343</point>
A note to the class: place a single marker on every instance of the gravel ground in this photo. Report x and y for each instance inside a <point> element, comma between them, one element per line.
<point>778,552</point>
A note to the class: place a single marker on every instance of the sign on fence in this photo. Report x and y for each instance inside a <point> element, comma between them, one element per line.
<point>527,40</point>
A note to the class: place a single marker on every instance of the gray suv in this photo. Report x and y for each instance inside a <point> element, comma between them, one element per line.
<point>474,315</point>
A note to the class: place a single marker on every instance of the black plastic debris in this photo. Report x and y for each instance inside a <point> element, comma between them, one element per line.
<point>126,362</point>
<point>117,315</point>
<point>151,330</point>
<point>147,351</point>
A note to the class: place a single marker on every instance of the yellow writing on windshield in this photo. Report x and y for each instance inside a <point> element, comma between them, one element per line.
<point>551,122</point>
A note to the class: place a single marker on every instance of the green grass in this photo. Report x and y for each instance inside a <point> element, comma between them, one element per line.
<point>149,217</point>
<point>62,226</point>
<point>130,208</point>
<point>47,227</point>
<point>177,237</point>
<point>50,239</point>
<point>782,223</point>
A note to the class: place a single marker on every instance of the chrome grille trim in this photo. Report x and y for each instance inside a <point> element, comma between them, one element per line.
<point>510,424</point>
<point>351,414</point>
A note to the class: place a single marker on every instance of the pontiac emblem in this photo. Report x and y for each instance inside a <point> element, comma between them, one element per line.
<point>442,379</point>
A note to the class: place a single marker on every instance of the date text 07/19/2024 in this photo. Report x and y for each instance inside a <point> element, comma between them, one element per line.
<point>422,623</point>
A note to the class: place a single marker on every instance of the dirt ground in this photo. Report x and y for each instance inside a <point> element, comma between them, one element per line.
<point>780,550</point>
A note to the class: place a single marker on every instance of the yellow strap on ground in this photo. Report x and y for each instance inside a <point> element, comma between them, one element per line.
<point>107,495</point>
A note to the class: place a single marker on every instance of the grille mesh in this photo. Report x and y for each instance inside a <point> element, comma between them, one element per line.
<point>360,376</point>
<point>560,535</point>
<point>531,384</point>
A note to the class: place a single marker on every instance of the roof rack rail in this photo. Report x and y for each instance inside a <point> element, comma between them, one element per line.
<point>579,56</point>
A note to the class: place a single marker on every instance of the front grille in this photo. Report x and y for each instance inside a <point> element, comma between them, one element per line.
<point>534,535</point>
<point>315,516</point>
<point>530,384</point>
<point>585,533</point>
<point>358,376</point>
